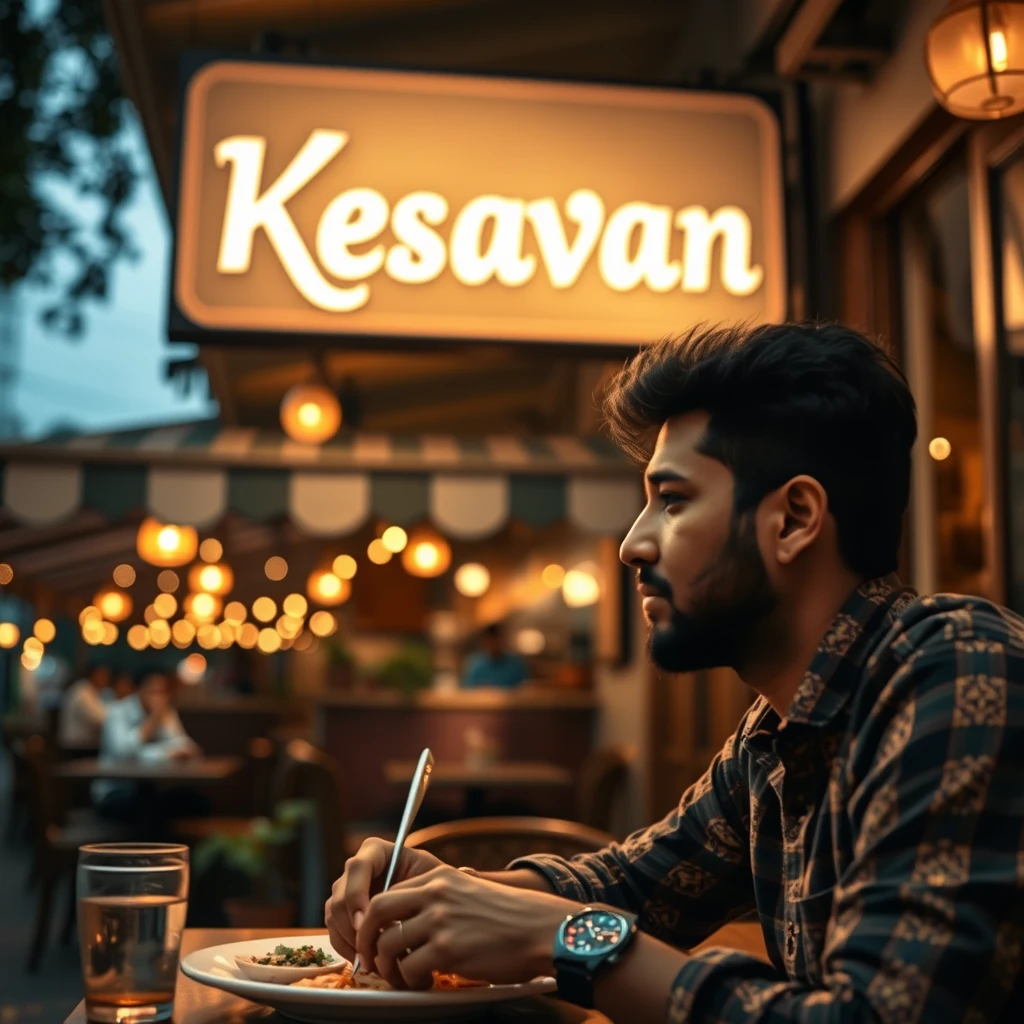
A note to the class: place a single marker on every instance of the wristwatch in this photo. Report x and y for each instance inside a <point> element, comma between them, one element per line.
<point>586,941</point>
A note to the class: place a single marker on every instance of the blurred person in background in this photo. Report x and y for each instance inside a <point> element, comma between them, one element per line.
<point>145,726</point>
<point>83,710</point>
<point>493,664</point>
<point>124,686</point>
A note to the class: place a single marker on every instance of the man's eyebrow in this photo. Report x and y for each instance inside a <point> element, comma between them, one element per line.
<point>664,476</point>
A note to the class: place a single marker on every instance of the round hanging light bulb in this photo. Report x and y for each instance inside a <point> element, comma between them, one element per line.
<point>124,575</point>
<point>168,581</point>
<point>211,550</point>
<point>45,630</point>
<point>264,609</point>
<point>344,567</point>
<point>427,554</point>
<point>552,576</point>
<point>974,52</point>
<point>394,538</point>
<point>90,611</point>
<point>322,623</point>
<point>235,612</point>
<point>276,568</point>
<point>164,544</point>
<point>472,579</point>
<point>213,578</point>
<point>114,605</point>
<point>939,448</point>
<point>9,635</point>
<point>164,605</point>
<point>580,588</point>
<point>182,633</point>
<point>248,635</point>
<point>202,607</point>
<point>138,637</point>
<point>269,640</point>
<point>377,553</point>
<point>109,634</point>
<point>310,413</point>
<point>295,605</point>
<point>324,587</point>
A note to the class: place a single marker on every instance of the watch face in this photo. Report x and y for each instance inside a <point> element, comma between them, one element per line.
<point>594,932</point>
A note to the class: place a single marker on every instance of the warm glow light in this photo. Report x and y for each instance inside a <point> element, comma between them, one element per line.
<point>264,609</point>
<point>235,613</point>
<point>124,575</point>
<point>166,545</point>
<point>30,662</point>
<point>138,637</point>
<point>114,605</point>
<point>212,579</point>
<point>203,606</point>
<point>168,581</point>
<point>192,669</point>
<point>322,623</point>
<point>87,613</point>
<point>33,644</point>
<point>324,587</point>
<point>276,568</point>
<point>310,414</point>
<point>45,631</point>
<point>248,635</point>
<point>289,627</point>
<point>427,554</point>
<point>6,574</point>
<point>295,605</point>
<point>208,636</point>
<point>530,642</point>
<point>109,634</point>
<point>472,579</point>
<point>228,633</point>
<point>974,52</point>
<point>344,567</point>
<point>939,448</point>
<point>211,550</point>
<point>9,635</point>
<point>552,576</point>
<point>377,553</point>
<point>159,634</point>
<point>304,642</point>
<point>269,640</point>
<point>183,633</point>
<point>394,538</point>
<point>580,588</point>
<point>165,606</point>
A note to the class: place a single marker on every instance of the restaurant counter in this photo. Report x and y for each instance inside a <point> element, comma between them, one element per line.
<point>365,729</point>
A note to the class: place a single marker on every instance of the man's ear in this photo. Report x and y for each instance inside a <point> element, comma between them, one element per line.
<point>795,517</point>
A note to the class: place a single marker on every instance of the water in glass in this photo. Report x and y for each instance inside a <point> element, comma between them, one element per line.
<point>132,903</point>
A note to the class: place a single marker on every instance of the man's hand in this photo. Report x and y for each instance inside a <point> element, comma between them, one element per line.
<point>456,922</point>
<point>364,876</point>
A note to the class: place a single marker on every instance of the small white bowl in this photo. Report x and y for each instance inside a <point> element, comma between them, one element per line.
<point>274,975</point>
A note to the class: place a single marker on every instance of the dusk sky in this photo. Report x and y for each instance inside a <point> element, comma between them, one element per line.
<point>113,375</point>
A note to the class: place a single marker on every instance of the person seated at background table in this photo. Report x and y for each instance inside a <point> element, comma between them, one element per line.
<point>83,710</point>
<point>145,726</point>
<point>868,806</point>
<point>493,664</point>
<point>123,686</point>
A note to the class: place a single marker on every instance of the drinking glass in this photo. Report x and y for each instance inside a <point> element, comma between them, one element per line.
<point>132,902</point>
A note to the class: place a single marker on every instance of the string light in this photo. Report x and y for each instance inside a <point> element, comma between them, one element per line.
<point>183,633</point>
<point>553,576</point>
<point>276,568</point>
<point>264,609</point>
<point>165,544</point>
<point>114,605</point>
<point>124,575</point>
<point>211,579</point>
<point>165,606</point>
<point>344,567</point>
<point>109,634</point>
<point>211,550</point>
<point>87,613</point>
<point>6,574</point>
<point>248,635</point>
<point>310,413</point>
<point>92,631</point>
<point>45,631</point>
<point>377,553</point>
<point>326,588</point>
<point>580,588</point>
<point>168,581</point>
<point>269,641</point>
<point>9,635</point>
<point>427,554</point>
<point>295,605</point>
<point>395,539</point>
<point>235,613</point>
<point>472,579</point>
<point>322,623</point>
<point>138,637</point>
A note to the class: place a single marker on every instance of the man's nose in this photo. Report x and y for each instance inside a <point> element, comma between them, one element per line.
<point>639,548</point>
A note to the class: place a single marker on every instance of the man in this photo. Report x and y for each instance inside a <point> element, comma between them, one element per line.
<point>870,804</point>
<point>493,665</point>
<point>144,726</point>
<point>84,710</point>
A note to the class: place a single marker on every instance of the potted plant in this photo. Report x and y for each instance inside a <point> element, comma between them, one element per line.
<point>408,671</point>
<point>255,854</point>
<point>340,665</point>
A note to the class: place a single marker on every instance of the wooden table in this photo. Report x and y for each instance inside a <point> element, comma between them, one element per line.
<point>196,769</point>
<point>476,780</point>
<point>196,1004</point>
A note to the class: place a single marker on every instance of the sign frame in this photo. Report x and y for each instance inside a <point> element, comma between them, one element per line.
<point>242,327</point>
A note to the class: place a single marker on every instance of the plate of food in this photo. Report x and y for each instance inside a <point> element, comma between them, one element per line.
<point>303,978</point>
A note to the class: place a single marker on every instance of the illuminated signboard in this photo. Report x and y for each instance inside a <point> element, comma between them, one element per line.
<point>393,205</point>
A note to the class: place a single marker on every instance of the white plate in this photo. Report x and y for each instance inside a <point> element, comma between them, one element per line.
<point>216,966</point>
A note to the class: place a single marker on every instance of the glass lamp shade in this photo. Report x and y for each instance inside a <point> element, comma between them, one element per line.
<point>310,413</point>
<point>975,58</point>
<point>166,545</point>
<point>427,554</point>
<point>211,578</point>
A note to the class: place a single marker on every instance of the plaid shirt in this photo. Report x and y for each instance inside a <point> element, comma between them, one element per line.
<point>876,830</point>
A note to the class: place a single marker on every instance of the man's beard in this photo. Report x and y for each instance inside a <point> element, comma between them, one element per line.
<point>730,599</point>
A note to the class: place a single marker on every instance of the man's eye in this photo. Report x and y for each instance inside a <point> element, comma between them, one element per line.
<point>670,498</point>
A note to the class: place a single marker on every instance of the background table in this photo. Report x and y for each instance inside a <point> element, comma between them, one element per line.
<point>197,769</point>
<point>197,1004</point>
<point>477,779</point>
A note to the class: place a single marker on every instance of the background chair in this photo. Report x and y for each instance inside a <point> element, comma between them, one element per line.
<point>488,844</point>
<point>57,838</point>
<point>601,785</point>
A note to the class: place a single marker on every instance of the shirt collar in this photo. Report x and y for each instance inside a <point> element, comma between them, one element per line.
<point>838,662</point>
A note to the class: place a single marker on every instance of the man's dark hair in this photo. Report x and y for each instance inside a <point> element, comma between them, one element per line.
<point>785,400</point>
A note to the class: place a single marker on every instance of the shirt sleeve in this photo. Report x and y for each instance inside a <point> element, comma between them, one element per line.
<point>172,737</point>
<point>685,876</point>
<point>926,919</point>
<point>120,739</point>
<point>92,707</point>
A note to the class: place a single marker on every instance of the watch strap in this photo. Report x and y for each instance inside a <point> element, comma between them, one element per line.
<point>575,984</point>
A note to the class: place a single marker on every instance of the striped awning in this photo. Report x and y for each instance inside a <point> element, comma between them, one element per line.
<point>195,473</point>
